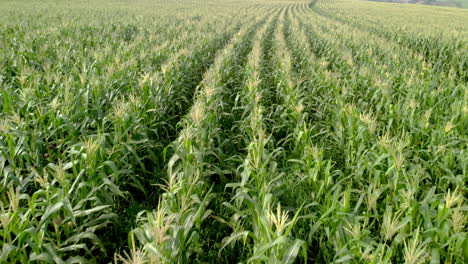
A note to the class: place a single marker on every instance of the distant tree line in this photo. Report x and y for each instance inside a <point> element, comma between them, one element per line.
<point>425,2</point>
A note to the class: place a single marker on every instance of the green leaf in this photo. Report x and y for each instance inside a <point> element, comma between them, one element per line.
<point>291,253</point>
<point>263,249</point>
<point>49,212</point>
<point>44,256</point>
<point>6,250</point>
<point>81,213</point>
<point>233,238</point>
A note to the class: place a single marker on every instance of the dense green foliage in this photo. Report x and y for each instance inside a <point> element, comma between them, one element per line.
<point>232,131</point>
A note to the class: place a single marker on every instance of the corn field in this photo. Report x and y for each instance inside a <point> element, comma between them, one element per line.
<point>220,131</point>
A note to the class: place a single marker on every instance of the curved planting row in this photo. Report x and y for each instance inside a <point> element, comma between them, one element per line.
<point>172,234</point>
<point>383,165</point>
<point>259,223</point>
<point>445,52</point>
<point>77,156</point>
